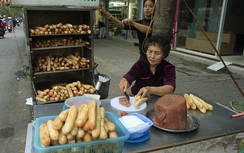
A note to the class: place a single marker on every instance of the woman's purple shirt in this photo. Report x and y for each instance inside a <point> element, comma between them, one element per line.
<point>165,74</point>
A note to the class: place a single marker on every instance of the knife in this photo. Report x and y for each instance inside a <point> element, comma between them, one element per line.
<point>127,96</point>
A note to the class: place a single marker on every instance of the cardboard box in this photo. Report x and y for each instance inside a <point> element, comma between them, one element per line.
<point>205,46</point>
<point>226,38</point>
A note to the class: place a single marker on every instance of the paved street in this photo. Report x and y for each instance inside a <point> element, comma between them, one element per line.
<point>114,57</point>
<point>14,89</point>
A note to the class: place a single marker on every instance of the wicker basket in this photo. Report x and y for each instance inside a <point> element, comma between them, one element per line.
<point>237,105</point>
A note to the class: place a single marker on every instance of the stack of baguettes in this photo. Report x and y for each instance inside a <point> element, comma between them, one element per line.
<point>87,123</point>
<point>193,102</point>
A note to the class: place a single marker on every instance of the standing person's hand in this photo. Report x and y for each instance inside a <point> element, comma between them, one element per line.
<point>123,85</point>
<point>144,92</point>
<point>128,21</point>
<point>107,15</point>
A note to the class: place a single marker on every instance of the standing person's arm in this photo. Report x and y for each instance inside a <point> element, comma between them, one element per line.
<point>140,27</point>
<point>117,22</point>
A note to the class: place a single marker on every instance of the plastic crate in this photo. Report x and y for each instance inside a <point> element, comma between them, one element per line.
<point>143,131</point>
<point>110,145</point>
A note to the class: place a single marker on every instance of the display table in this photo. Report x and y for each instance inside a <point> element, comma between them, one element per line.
<point>213,124</point>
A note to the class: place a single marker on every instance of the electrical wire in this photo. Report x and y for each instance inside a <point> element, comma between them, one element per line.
<point>148,29</point>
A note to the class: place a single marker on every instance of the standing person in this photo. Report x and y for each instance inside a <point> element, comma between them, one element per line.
<point>14,22</point>
<point>152,75</point>
<point>102,29</point>
<point>2,27</point>
<point>143,27</point>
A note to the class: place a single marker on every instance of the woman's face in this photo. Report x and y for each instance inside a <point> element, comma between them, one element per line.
<point>148,8</point>
<point>154,54</point>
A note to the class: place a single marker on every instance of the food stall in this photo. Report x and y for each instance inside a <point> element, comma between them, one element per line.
<point>60,49</point>
<point>210,126</point>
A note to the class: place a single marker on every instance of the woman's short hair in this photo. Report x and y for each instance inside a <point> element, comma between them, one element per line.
<point>162,40</point>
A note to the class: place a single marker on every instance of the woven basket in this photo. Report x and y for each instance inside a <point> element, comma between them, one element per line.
<point>237,105</point>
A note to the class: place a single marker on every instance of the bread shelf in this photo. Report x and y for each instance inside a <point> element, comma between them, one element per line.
<point>40,54</point>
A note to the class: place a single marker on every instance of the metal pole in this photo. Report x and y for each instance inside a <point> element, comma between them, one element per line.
<point>221,25</point>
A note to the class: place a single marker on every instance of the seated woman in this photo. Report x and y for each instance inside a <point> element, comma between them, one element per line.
<point>152,75</point>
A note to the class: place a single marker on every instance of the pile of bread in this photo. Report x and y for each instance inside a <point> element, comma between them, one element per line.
<point>60,28</point>
<point>193,102</point>
<point>55,42</point>
<point>87,123</point>
<point>60,92</point>
<point>54,63</point>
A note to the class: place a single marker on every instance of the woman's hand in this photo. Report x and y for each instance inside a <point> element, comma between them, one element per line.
<point>128,21</point>
<point>144,92</point>
<point>123,85</point>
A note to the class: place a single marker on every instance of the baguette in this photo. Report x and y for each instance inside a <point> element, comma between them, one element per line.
<point>112,134</point>
<point>69,91</point>
<point>96,131</point>
<point>74,130</point>
<point>87,137</point>
<point>70,120</point>
<point>188,105</point>
<point>189,101</point>
<point>63,115</point>
<point>205,104</point>
<point>62,138</point>
<point>210,107</point>
<point>54,134</point>
<point>110,125</point>
<point>137,97</point>
<point>139,102</point>
<point>54,142</point>
<point>68,61</point>
<point>71,141</point>
<point>195,100</point>
<point>41,99</point>
<point>70,136</point>
<point>48,63</point>
<point>82,115</point>
<point>92,114</point>
<point>80,133</point>
<point>73,57</point>
<point>57,124</point>
<point>44,135</point>
<point>103,133</point>
<point>198,104</point>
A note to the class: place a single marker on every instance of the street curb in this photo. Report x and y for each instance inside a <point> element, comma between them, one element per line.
<point>206,61</point>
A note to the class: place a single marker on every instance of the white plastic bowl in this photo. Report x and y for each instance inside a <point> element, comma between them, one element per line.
<point>78,101</point>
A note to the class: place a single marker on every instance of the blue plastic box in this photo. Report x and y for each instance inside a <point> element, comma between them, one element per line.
<point>144,130</point>
<point>110,145</point>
